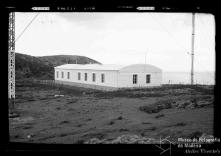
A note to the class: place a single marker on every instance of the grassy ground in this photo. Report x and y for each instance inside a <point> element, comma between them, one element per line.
<point>82,114</point>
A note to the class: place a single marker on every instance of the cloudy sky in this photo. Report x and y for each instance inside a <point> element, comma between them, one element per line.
<point>121,38</point>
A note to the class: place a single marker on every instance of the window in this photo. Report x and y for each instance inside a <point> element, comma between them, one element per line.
<point>135,79</point>
<point>79,76</point>
<point>68,76</point>
<point>93,77</point>
<point>57,74</point>
<point>102,78</point>
<point>85,76</point>
<point>148,78</point>
<point>62,74</point>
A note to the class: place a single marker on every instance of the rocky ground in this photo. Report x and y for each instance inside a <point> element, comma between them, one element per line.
<point>67,115</point>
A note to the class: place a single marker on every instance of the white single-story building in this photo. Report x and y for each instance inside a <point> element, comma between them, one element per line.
<point>108,77</point>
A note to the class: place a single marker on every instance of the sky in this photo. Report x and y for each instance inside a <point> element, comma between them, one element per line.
<point>160,39</point>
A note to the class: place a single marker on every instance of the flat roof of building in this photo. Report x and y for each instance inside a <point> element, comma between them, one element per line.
<point>104,66</point>
<point>91,66</point>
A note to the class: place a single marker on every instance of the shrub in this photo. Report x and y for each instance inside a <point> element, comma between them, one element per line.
<point>150,109</point>
<point>120,118</point>
<point>157,107</point>
<point>180,124</point>
<point>195,134</point>
<point>159,116</point>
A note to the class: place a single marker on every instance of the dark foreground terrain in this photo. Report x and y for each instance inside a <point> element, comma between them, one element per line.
<point>86,116</point>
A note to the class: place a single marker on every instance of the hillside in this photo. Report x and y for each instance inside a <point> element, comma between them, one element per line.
<point>27,66</point>
<point>57,60</point>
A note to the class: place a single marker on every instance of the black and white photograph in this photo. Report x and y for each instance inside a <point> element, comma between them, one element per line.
<point>111,77</point>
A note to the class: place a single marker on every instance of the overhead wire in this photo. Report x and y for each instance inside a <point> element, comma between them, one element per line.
<point>27,27</point>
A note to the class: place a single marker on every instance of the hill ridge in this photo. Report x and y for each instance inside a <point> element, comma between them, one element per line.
<point>42,67</point>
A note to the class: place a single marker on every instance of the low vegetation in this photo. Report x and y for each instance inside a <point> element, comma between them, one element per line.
<point>157,107</point>
<point>77,115</point>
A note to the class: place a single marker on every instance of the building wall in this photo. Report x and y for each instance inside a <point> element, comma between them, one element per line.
<point>125,76</point>
<point>126,79</point>
<point>84,85</point>
<point>109,80</point>
<point>113,79</point>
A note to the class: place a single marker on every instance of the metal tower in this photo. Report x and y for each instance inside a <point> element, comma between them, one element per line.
<point>192,60</point>
<point>11,59</point>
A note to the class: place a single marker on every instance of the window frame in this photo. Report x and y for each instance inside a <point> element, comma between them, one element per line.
<point>68,75</point>
<point>135,78</point>
<point>149,77</point>
<point>57,74</point>
<point>62,74</point>
<point>102,78</point>
<point>93,77</point>
<point>79,76</point>
<point>85,76</point>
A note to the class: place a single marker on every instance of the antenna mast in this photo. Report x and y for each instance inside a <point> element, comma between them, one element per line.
<point>145,58</point>
<point>11,61</point>
<point>192,55</point>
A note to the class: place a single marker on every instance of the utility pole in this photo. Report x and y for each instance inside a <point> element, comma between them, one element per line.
<point>145,58</point>
<point>192,55</point>
<point>11,62</point>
